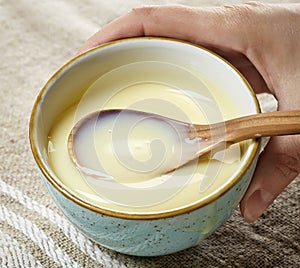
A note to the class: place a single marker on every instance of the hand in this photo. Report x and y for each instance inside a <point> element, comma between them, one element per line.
<point>262,41</point>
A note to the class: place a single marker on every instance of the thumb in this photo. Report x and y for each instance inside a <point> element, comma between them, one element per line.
<point>279,164</point>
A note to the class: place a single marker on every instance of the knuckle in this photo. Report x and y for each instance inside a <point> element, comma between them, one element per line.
<point>143,11</point>
<point>244,14</point>
<point>287,166</point>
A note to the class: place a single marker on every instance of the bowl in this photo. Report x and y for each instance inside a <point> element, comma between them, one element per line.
<point>106,69</point>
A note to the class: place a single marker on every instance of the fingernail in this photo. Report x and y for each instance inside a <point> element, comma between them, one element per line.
<point>256,204</point>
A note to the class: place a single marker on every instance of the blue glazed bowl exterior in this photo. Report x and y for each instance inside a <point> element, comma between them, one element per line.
<point>164,233</point>
<point>154,237</point>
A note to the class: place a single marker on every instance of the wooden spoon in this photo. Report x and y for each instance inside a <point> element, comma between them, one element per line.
<point>209,138</point>
<point>248,127</point>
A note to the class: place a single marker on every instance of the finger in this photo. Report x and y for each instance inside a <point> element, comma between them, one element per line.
<point>277,167</point>
<point>206,26</point>
<point>210,27</point>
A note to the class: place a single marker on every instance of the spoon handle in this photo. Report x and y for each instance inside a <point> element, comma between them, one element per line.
<point>262,125</point>
<point>250,127</point>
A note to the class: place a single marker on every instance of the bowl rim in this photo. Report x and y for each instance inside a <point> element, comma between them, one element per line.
<point>67,193</point>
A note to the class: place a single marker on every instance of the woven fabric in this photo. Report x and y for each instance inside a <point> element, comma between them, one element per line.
<point>36,38</point>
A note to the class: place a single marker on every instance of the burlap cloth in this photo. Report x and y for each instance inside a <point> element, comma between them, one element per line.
<point>36,38</point>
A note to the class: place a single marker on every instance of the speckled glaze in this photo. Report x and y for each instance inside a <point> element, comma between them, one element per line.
<point>141,235</point>
<point>153,237</point>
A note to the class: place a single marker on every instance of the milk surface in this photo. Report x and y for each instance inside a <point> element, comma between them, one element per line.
<point>132,187</point>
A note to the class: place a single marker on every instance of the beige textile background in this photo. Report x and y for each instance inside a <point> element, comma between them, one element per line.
<point>36,38</point>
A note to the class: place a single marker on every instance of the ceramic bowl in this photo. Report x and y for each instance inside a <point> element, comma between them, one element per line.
<point>142,234</point>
